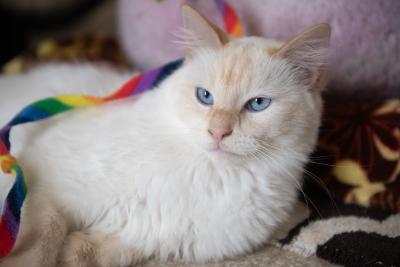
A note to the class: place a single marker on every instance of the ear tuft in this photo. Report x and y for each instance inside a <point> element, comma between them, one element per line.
<point>198,32</point>
<point>308,51</point>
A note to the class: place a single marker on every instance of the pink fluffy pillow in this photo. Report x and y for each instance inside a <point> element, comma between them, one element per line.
<point>365,54</point>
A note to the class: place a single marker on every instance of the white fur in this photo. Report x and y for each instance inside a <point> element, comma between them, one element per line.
<point>140,170</point>
<point>17,91</point>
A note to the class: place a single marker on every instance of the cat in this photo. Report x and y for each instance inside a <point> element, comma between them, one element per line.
<point>205,167</point>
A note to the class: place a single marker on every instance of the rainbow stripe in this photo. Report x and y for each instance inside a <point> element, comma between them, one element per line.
<point>232,23</point>
<point>48,107</point>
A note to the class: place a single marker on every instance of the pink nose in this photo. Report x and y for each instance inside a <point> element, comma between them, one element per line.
<point>219,133</point>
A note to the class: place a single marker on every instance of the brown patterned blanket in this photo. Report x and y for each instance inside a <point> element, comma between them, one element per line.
<point>353,181</point>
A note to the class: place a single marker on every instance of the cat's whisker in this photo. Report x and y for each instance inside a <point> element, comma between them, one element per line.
<point>322,163</point>
<point>298,185</point>
<point>313,176</point>
<point>324,186</point>
<point>320,157</point>
<point>293,153</point>
<point>268,145</point>
<point>260,157</point>
<point>317,179</point>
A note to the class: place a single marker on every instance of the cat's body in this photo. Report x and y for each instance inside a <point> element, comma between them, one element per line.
<point>146,176</point>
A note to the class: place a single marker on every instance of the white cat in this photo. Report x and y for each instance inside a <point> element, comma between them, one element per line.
<point>202,168</point>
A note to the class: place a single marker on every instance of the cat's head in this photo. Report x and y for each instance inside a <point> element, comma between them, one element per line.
<point>242,97</point>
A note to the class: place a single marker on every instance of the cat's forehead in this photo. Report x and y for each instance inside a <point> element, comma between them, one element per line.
<point>233,66</point>
<point>241,64</point>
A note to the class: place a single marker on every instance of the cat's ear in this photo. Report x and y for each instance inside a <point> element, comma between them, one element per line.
<point>308,52</point>
<point>198,32</point>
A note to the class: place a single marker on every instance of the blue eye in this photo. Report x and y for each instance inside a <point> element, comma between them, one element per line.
<point>258,103</point>
<point>204,96</point>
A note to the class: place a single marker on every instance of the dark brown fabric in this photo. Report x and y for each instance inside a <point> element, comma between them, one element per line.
<point>358,156</point>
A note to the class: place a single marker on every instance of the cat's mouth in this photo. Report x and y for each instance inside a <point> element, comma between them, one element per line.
<point>223,152</point>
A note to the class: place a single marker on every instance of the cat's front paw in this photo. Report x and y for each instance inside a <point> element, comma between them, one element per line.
<point>96,250</point>
<point>77,251</point>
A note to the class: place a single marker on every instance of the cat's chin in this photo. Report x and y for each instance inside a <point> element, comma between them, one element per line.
<point>223,153</point>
